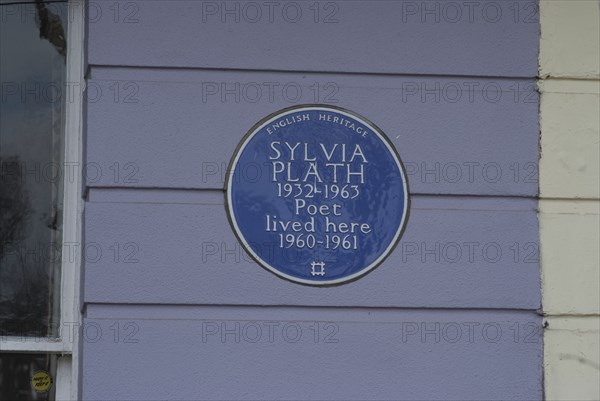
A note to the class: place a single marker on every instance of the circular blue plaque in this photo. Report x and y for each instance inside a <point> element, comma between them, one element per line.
<point>317,195</point>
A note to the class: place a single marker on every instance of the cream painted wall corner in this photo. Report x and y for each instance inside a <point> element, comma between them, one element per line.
<point>570,38</point>
<point>569,208</point>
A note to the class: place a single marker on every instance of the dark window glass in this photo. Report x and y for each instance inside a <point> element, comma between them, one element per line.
<point>27,377</point>
<point>32,93</point>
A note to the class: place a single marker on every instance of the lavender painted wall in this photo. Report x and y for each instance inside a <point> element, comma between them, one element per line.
<point>456,252</point>
<point>473,123</point>
<point>282,353</point>
<point>485,38</point>
<point>172,304</point>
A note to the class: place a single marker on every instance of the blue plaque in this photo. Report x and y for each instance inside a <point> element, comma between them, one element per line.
<point>317,195</point>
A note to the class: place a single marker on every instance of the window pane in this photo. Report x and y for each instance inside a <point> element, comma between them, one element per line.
<point>17,380</point>
<point>32,75</point>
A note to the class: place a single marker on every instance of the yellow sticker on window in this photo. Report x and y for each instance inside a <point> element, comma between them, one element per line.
<point>41,381</point>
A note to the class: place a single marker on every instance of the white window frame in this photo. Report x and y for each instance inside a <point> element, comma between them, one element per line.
<point>67,345</point>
